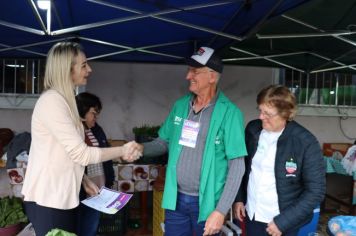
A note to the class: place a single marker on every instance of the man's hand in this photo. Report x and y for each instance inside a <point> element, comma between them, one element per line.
<point>140,148</point>
<point>272,229</point>
<point>132,151</point>
<point>239,211</point>
<point>89,186</point>
<point>214,223</point>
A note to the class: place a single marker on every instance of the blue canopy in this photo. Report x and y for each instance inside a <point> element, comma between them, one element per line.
<point>162,31</point>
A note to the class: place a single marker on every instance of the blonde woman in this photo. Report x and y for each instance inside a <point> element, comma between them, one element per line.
<point>58,153</point>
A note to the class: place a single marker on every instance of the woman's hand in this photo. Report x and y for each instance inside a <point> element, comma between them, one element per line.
<point>89,186</point>
<point>272,229</point>
<point>239,211</point>
<point>132,151</point>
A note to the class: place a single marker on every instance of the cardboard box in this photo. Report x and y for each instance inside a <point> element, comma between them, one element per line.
<point>16,175</point>
<point>135,178</point>
<point>126,186</point>
<point>330,148</point>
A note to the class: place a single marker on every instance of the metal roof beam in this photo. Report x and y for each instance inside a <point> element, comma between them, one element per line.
<point>38,16</point>
<point>330,60</point>
<point>169,11</point>
<point>131,49</point>
<point>263,19</point>
<point>263,57</point>
<point>303,35</point>
<point>55,10</point>
<point>33,44</point>
<point>237,12</point>
<point>335,60</point>
<point>322,33</point>
<point>23,50</point>
<point>174,10</point>
<point>333,68</point>
<point>267,59</point>
<point>320,30</point>
<point>155,15</point>
<point>22,28</point>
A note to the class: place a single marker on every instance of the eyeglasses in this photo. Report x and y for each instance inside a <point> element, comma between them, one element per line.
<point>266,114</point>
<point>95,113</point>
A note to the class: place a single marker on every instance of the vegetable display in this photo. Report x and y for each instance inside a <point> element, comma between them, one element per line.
<point>11,212</point>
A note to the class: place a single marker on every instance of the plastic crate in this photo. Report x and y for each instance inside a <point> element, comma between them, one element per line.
<point>113,224</point>
<point>346,95</point>
<point>158,213</point>
<point>302,96</point>
<point>311,227</point>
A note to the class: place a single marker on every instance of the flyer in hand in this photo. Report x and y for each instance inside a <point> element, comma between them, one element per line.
<point>108,201</point>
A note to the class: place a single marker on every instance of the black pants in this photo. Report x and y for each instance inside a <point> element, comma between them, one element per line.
<point>44,219</point>
<point>256,228</point>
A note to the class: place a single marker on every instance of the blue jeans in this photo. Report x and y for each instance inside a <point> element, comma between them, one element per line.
<point>88,221</point>
<point>184,220</point>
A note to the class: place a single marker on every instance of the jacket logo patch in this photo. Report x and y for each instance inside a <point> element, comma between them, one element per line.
<point>291,168</point>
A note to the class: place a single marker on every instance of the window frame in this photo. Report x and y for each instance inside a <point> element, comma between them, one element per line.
<point>21,82</point>
<point>322,96</point>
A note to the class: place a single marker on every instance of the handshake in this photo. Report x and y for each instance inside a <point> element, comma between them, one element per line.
<point>132,151</point>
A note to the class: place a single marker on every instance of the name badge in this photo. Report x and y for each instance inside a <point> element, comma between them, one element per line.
<point>189,134</point>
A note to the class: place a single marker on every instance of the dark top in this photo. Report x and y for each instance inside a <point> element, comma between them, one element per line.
<point>99,134</point>
<point>107,165</point>
<point>298,192</point>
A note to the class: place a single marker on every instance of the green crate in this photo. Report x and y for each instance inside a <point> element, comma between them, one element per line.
<point>111,225</point>
<point>346,95</point>
<point>328,98</point>
<point>302,96</point>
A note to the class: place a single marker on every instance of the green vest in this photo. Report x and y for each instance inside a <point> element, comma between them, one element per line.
<point>225,140</point>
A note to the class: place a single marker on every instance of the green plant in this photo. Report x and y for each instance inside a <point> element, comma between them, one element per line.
<point>146,130</point>
<point>11,211</point>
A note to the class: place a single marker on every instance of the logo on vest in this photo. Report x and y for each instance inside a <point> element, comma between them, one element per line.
<point>177,120</point>
<point>217,140</point>
<point>291,168</point>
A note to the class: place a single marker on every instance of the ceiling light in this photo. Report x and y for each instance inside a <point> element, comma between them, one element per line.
<point>15,65</point>
<point>44,4</point>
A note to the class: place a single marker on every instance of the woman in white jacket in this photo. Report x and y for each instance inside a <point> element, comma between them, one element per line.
<point>58,153</point>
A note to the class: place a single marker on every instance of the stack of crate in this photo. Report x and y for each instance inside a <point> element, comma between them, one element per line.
<point>158,213</point>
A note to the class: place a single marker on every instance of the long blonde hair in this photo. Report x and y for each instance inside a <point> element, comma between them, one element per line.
<point>60,60</point>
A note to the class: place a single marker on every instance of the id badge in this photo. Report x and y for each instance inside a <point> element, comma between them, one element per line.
<point>189,134</point>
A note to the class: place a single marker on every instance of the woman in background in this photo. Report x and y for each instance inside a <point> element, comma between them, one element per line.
<point>100,174</point>
<point>285,170</point>
<point>58,153</point>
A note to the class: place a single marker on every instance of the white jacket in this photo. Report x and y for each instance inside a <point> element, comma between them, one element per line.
<point>58,155</point>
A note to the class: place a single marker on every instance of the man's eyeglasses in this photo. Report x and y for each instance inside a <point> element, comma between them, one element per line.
<point>267,114</point>
<point>196,71</point>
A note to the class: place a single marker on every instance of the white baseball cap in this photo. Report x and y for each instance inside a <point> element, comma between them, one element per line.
<point>206,56</point>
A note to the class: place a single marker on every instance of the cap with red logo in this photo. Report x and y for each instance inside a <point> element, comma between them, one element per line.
<point>206,56</point>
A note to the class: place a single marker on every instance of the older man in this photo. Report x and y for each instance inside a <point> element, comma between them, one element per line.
<point>204,135</point>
